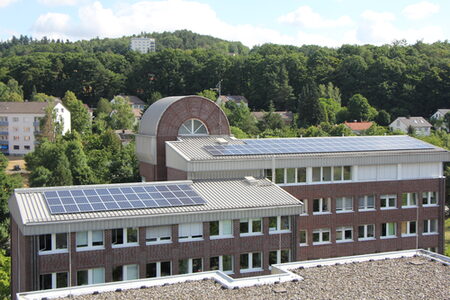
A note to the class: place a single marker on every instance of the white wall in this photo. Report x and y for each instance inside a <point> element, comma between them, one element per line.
<point>21,133</point>
<point>403,171</point>
<point>63,114</point>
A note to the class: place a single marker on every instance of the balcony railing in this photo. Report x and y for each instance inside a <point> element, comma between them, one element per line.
<point>4,133</point>
<point>3,123</point>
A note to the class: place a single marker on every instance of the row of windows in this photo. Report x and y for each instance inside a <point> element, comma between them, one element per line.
<point>17,147</point>
<point>367,202</point>
<point>367,232</point>
<point>25,119</point>
<point>318,174</point>
<point>15,129</point>
<point>91,240</point>
<point>25,138</point>
<point>249,262</point>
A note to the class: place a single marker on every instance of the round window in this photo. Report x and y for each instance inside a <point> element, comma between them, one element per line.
<point>192,127</point>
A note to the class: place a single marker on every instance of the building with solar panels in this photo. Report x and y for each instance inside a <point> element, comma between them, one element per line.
<point>210,201</point>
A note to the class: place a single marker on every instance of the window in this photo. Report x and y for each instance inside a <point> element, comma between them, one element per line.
<point>250,262</point>
<point>221,229</point>
<point>91,276</point>
<point>321,205</point>
<point>388,230</point>
<point>16,138</point>
<point>26,138</point>
<point>344,204</point>
<point>279,175</point>
<point>366,202</point>
<point>344,234</point>
<point>125,237</point>
<point>223,263</point>
<point>190,232</point>
<point>303,237</point>
<point>366,232</point>
<point>15,119</point>
<point>89,239</point>
<point>268,174</point>
<point>279,257</point>
<point>409,199</point>
<point>16,147</point>
<point>15,129</point>
<point>388,201</point>
<point>288,175</point>
<point>26,129</point>
<point>191,265</point>
<point>279,224</point>
<point>321,236</point>
<point>53,280</point>
<point>158,269</point>
<point>326,174</point>
<point>192,127</point>
<point>429,198</point>
<point>250,226</point>
<point>127,272</point>
<point>430,226</point>
<point>52,243</point>
<point>301,174</point>
<point>409,228</point>
<point>27,147</point>
<point>158,235</point>
<point>304,207</point>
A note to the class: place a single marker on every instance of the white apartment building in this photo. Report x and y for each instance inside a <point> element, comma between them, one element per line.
<point>19,124</point>
<point>143,45</point>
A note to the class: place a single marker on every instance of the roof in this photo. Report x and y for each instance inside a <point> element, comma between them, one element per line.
<point>23,107</point>
<point>236,99</point>
<point>286,116</point>
<point>407,274</point>
<point>443,111</point>
<point>227,198</point>
<point>133,99</point>
<point>414,122</point>
<point>358,126</point>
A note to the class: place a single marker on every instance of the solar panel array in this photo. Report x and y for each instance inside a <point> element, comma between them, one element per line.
<point>318,145</point>
<point>119,198</point>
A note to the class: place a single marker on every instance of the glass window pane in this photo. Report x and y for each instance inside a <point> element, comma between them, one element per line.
<point>371,230</point>
<point>214,263</point>
<point>243,227</point>
<point>183,266</point>
<point>284,223</point>
<point>45,242</point>
<point>61,280</point>
<point>132,272</point>
<point>326,174</point>
<point>285,256</point>
<point>82,277</point>
<point>316,205</point>
<point>316,174</point>
<point>290,175</point>
<point>46,281</point>
<point>227,263</point>
<point>227,227</point>
<point>197,265</point>
<point>273,257</point>
<point>98,275</point>
<point>132,235</point>
<point>244,261</point>
<point>117,273</point>
<point>256,260</point>
<point>404,199</point>
<point>326,236</point>
<point>117,237</point>
<point>337,173</point>
<point>339,236</point>
<point>370,202</point>
<point>339,204</point>
<point>279,175</point>
<point>268,174</point>
<point>150,270</point>
<point>97,238</point>
<point>347,173</point>
<point>316,237</point>
<point>302,237</point>
<point>433,198</point>
<point>166,269</point>
<point>273,223</point>
<point>361,232</point>
<point>256,225</point>
<point>301,174</point>
<point>413,199</point>
<point>214,228</point>
<point>325,205</point>
<point>82,239</point>
<point>61,241</point>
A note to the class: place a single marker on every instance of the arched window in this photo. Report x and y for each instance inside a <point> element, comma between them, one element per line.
<point>192,127</point>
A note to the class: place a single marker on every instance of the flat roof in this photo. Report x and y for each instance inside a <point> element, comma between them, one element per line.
<point>225,199</point>
<point>408,274</point>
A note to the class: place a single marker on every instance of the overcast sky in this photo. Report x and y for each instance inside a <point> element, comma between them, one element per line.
<point>253,22</point>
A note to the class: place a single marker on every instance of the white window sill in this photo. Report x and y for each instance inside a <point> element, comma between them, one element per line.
<point>190,240</point>
<point>430,205</point>
<point>158,243</point>
<point>125,245</point>
<point>304,215</point>
<point>321,213</point>
<point>409,206</point>
<point>251,270</point>
<point>92,248</point>
<point>321,243</point>
<point>409,235</point>
<point>388,237</point>
<point>279,231</point>
<point>366,209</point>
<point>228,272</point>
<point>388,208</point>
<point>303,245</point>
<point>344,211</point>
<point>366,239</point>
<point>344,241</point>
<point>220,237</point>
<point>58,251</point>
<point>251,234</point>
<point>430,233</point>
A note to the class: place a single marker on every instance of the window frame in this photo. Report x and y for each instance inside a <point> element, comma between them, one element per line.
<point>251,268</point>
<point>277,229</point>
<point>321,232</point>
<point>279,256</point>
<point>90,241</point>
<point>250,227</point>
<point>429,197</point>
<point>345,205</point>
<point>160,238</point>
<point>428,224</point>
<point>125,272</point>
<point>305,243</point>
<point>366,236</point>
<point>365,200</point>
<point>192,131</point>
<point>388,198</point>
<point>221,227</point>
<point>191,265</point>
<point>407,226</point>
<point>158,269</point>
<point>220,266</point>
<point>321,211</point>
<point>53,244</point>
<point>191,237</point>
<point>125,242</point>
<point>388,234</point>
<point>343,231</point>
<point>90,275</point>
<point>54,278</point>
<point>407,198</point>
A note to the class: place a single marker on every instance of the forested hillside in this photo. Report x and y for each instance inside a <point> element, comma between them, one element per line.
<point>401,79</point>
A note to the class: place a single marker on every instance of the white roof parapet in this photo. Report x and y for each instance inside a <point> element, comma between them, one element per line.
<point>225,199</point>
<point>280,273</point>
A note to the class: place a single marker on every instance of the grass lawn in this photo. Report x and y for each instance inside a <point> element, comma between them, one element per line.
<point>447,237</point>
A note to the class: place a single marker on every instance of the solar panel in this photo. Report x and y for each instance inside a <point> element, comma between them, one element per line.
<point>118,198</point>
<point>318,145</point>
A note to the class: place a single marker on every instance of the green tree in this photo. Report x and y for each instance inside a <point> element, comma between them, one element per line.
<point>122,116</point>
<point>238,133</point>
<point>5,269</point>
<point>240,116</point>
<point>103,106</point>
<point>41,97</point>
<point>80,170</point>
<point>271,120</point>
<point>383,118</point>
<point>360,109</point>
<point>330,91</point>
<point>208,94</point>
<point>310,111</point>
<point>79,114</point>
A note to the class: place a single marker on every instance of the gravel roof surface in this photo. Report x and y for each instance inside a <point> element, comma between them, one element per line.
<point>405,278</point>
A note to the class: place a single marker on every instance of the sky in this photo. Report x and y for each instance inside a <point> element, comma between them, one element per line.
<point>252,22</point>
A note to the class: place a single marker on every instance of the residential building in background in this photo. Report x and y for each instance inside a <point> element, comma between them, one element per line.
<point>419,125</point>
<point>439,115</point>
<point>286,116</point>
<point>20,121</point>
<point>358,128</point>
<point>143,45</point>
<point>236,99</point>
<point>137,105</point>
